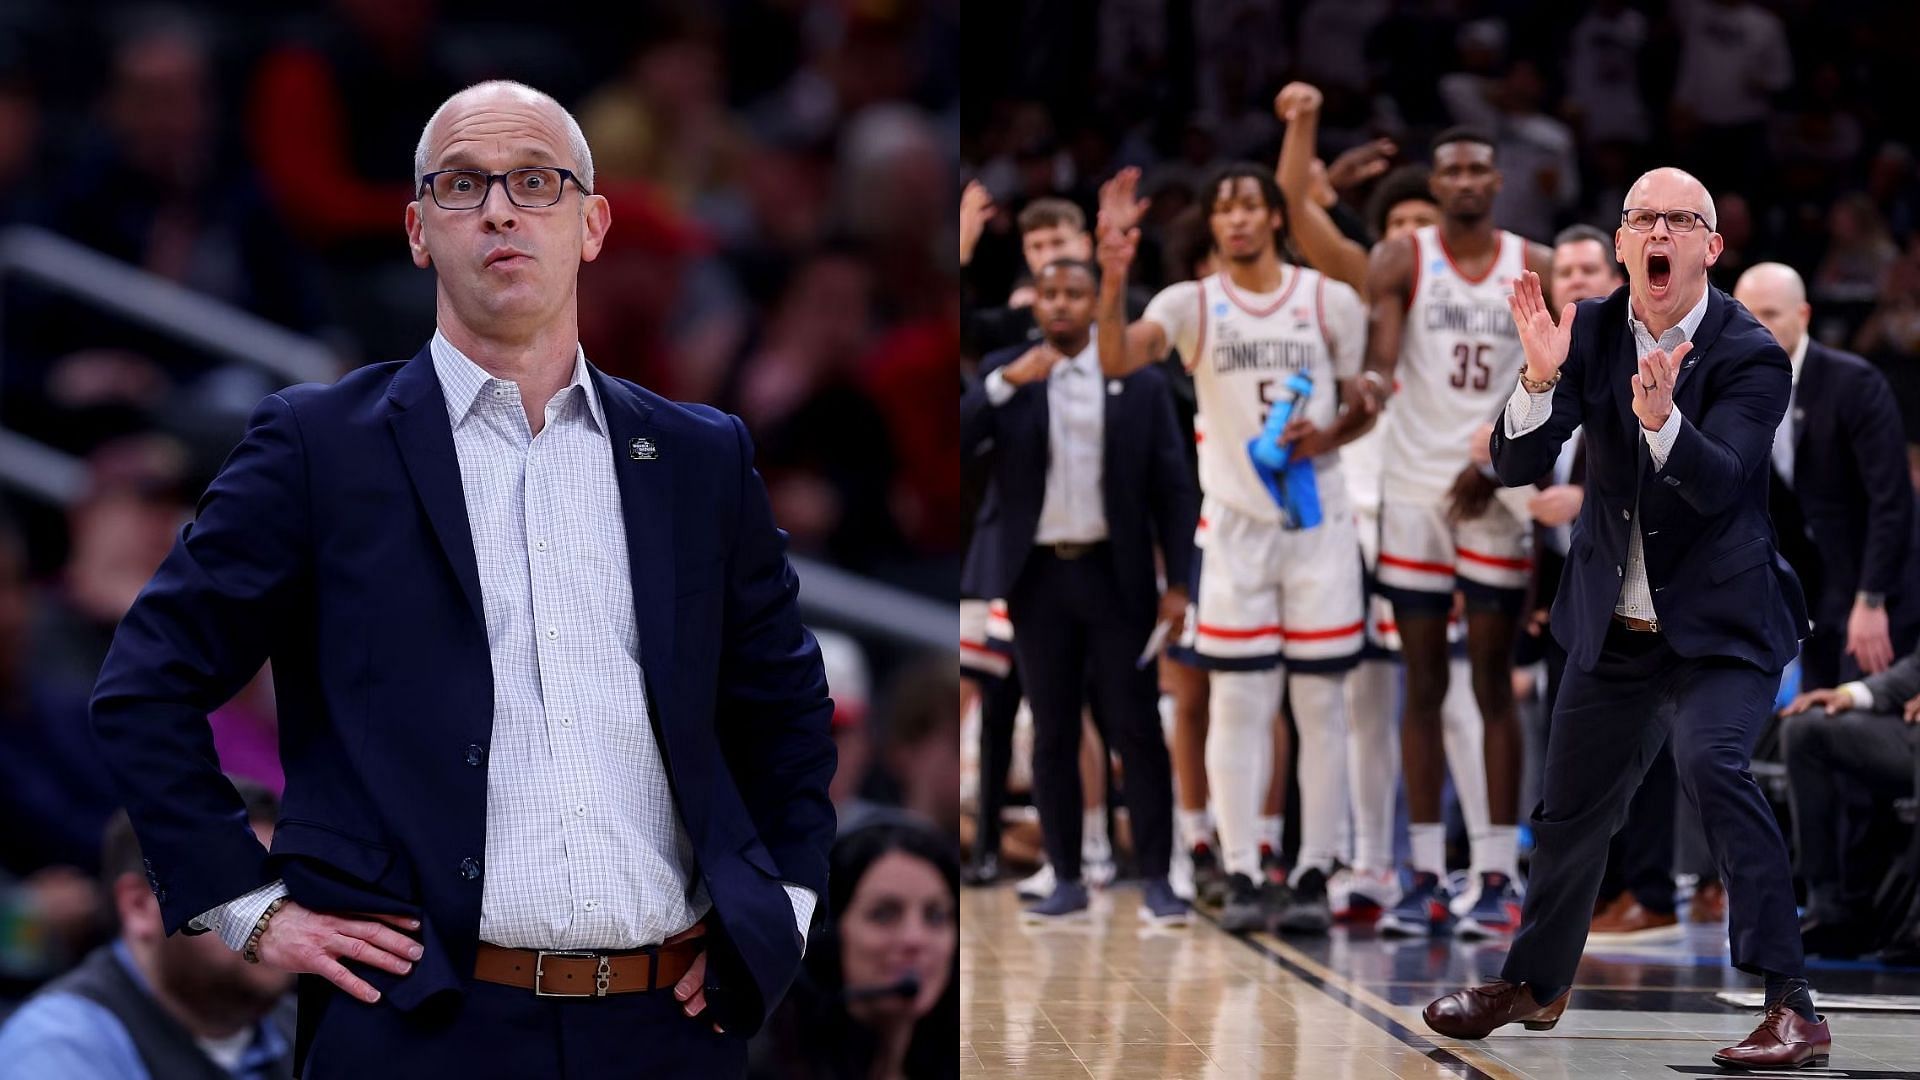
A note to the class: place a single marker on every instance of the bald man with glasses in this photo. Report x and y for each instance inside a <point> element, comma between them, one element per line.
<point>1676,611</point>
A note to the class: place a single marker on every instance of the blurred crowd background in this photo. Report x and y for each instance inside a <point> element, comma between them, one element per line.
<point>781,174</point>
<point>1794,113</point>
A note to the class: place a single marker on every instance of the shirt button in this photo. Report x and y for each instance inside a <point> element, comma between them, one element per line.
<point>475,754</point>
<point>470,869</point>
<point>566,721</point>
<point>581,810</point>
<point>1627,515</point>
<point>539,545</point>
<point>591,904</point>
<point>1619,571</point>
<point>552,633</point>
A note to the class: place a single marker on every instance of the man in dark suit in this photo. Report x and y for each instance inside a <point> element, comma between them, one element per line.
<point>1844,498</point>
<point>1088,476</point>
<point>552,728</point>
<point>1676,611</point>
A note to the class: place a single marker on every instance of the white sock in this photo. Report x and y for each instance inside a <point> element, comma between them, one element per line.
<point>1239,757</point>
<point>1497,851</point>
<point>1320,713</point>
<point>1272,828</point>
<point>1429,847</point>
<point>1195,828</point>
<point>1373,760</point>
<point>1464,740</point>
<point>1094,845</point>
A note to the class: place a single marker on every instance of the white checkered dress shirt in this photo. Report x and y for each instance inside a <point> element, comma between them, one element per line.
<point>585,849</point>
<point>1526,412</point>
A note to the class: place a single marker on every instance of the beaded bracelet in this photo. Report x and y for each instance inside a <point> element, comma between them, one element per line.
<point>252,951</point>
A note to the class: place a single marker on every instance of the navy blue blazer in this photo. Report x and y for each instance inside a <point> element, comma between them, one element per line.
<point>1719,583</point>
<point>1145,480</point>
<point>1850,479</point>
<point>335,542</point>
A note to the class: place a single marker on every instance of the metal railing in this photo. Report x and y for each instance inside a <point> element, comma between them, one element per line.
<point>846,600</point>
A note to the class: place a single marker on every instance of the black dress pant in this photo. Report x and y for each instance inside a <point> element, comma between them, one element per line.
<point>1608,725</point>
<point>999,705</point>
<point>1074,633</point>
<point>1838,769</point>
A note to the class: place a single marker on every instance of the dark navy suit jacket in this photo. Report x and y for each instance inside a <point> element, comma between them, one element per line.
<point>335,542</point>
<point>1145,481</point>
<point>1851,482</point>
<point>1719,584</point>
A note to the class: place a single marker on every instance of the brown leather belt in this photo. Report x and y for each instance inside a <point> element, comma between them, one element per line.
<point>571,973</point>
<point>1641,625</point>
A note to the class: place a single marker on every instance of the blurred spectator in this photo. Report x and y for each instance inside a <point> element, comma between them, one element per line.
<point>54,794</point>
<point>821,441</point>
<point>333,121</point>
<point>1736,236</point>
<point>1535,152</point>
<point>850,685</point>
<point>878,998</point>
<point>150,1005</point>
<point>921,742</point>
<point>150,186</point>
<point>1733,59</point>
<point>1603,75</point>
<point>1859,251</point>
<point>1817,145</point>
<point>120,531</point>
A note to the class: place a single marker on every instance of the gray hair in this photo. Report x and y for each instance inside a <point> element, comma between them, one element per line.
<point>576,139</point>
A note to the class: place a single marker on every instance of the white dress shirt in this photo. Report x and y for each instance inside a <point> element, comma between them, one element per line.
<point>585,848</point>
<point>1073,510</point>
<point>1526,411</point>
<point>1783,435</point>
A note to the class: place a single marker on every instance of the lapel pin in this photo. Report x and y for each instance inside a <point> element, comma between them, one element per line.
<point>641,449</point>
<point>1113,388</point>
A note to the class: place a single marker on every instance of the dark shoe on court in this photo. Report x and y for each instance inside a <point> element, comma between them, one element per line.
<point>1474,1012</point>
<point>1159,905</point>
<point>1209,879</point>
<point>1421,910</point>
<point>1307,909</point>
<point>1496,914</point>
<point>1246,908</point>
<point>1784,1040</point>
<point>1271,867</point>
<point>1068,903</point>
<point>984,870</point>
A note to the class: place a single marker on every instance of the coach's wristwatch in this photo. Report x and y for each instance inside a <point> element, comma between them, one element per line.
<point>1870,599</point>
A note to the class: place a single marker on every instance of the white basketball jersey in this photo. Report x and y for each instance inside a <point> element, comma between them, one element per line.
<point>1245,356</point>
<point>1459,357</point>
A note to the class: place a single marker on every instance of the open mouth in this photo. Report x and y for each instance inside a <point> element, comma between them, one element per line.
<point>1659,273</point>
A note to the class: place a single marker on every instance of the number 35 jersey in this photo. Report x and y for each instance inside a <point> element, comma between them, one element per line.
<point>1459,357</point>
<point>1241,348</point>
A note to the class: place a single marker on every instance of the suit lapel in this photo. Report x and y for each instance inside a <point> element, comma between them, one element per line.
<point>644,465</point>
<point>425,437</point>
<point>1714,321</point>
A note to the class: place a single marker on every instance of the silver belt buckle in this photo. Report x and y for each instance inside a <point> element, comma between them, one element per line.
<point>601,977</point>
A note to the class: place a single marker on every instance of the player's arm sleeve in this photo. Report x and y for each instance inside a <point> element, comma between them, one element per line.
<point>1346,329</point>
<point>1176,310</point>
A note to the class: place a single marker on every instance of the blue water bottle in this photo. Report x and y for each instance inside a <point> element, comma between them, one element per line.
<point>1289,479</point>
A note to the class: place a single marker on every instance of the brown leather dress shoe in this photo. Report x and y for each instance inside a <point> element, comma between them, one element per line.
<point>1477,1010</point>
<point>1635,923</point>
<point>1709,904</point>
<point>1782,1041</point>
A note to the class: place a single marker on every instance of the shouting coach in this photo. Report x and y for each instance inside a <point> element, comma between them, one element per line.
<point>1676,612</point>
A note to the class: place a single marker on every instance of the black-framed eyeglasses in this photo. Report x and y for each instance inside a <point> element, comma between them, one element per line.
<point>1641,219</point>
<point>530,188</point>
